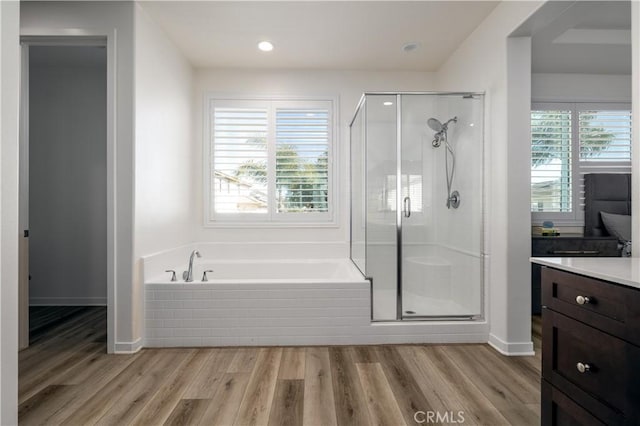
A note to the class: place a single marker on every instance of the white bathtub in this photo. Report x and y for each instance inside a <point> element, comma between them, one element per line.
<point>260,301</point>
<point>256,302</point>
<point>268,271</point>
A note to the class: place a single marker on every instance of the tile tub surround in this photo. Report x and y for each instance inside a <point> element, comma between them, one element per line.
<point>272,314</point>
<point>325,310</point>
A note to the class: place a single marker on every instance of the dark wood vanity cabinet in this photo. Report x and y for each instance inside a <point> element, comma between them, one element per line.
<point>569,247</point>
<point>590,351</point>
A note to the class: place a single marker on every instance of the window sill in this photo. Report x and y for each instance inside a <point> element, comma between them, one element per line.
<point>271,225</point>
<point>557,222</point>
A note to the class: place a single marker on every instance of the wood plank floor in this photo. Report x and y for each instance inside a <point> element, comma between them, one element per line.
<point>44,318</point>
<point>66,377</point>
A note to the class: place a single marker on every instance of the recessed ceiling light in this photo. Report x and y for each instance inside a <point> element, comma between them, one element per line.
<point>388,103</point>
<point>410,47</point>
<point>265,46</point>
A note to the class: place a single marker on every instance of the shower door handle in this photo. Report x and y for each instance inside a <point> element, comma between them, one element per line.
<point>407,207</point>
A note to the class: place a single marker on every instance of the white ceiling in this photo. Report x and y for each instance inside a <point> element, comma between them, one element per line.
<point>590,37</point>
<point>319,34</point>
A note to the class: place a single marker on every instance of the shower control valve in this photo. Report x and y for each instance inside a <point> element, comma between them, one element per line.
<point>453,200</point>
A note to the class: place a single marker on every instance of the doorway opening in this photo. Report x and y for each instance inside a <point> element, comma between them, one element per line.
<point>64,202</point>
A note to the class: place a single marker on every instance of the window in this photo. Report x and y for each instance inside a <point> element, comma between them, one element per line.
<point>567,141</point>
<point>269,161</point>
<point>551,180</point>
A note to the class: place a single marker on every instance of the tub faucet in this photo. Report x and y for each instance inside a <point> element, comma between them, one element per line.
<point>188,274</point>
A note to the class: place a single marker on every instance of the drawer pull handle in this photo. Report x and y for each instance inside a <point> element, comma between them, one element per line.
<point>583,368</point>
<point>582,300</point>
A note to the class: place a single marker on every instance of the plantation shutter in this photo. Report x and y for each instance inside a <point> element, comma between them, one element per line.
<point>269,160</point>
<point>302,159</point>
<point>239,156</point>
<point>551,182</point>
<point>598,135</point>
<point>605,143</point>
<point>605,136</point>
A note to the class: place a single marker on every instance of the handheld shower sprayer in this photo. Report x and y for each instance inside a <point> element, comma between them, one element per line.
<point>453,198</point>
<point>440,129</point>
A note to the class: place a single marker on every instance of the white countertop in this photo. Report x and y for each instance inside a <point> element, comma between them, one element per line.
<point>621,270</point>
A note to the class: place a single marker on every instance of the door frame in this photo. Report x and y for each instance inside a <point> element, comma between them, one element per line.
<point>23,202</point>
<point>57,37</point>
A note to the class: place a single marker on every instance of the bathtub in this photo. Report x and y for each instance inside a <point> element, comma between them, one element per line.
<point>269,271</point>
<point>256,302</point>
<point>274,302</point>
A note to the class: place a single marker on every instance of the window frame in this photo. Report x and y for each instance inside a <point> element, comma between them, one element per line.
<point>272,219</point>
<point>576,216</point>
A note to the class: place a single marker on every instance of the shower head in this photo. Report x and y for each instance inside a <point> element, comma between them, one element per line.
<point>438,126</point>
<point>440,129</point>
<point>435,124</point>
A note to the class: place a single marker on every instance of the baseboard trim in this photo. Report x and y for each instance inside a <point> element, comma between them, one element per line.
<point>511,348</point>
<point>128,347</point>
<point>67,301</point>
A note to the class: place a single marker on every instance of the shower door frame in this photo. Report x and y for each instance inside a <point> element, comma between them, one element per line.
<point>399,208</point>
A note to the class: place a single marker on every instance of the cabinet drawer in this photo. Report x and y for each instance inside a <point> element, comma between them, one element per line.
<point>560,410</point>
<point>612,308</point>
<point>579,359</point>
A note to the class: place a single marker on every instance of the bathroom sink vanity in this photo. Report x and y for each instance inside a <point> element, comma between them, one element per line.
<point>574,246</point>
<point>590,340</point>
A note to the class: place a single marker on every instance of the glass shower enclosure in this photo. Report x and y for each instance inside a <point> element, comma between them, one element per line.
<point>417,203</point>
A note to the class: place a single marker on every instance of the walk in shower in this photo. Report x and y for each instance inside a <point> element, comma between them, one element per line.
<point>417,203</point>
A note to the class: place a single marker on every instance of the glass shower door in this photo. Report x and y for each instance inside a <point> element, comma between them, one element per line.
<point>441,206</point>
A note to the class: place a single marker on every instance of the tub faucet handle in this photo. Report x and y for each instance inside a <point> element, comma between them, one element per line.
<point>204,275</point>
<point>173,274</point>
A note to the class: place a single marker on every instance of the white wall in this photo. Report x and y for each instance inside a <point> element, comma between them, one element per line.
<point>164,148</point>
<point>580,88</point>
<point>480,64</point>
<point>9,84</point>
<point>114,20</point>
<point>519,183</point>
<point>347,85</point>
<point>68,175</point>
